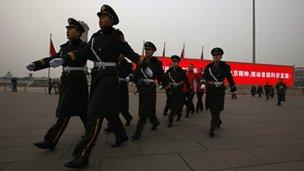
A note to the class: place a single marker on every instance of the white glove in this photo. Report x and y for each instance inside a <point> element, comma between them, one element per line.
<point>203,86</point>
<point>160,87</point>
<point>31,67</point>
<point>149,72</point>
<point>128,79</point>
<point>56,62</point>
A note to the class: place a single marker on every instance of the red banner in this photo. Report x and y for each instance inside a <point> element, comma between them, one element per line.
<point>245,73</point>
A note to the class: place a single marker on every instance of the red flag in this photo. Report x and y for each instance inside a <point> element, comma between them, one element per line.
<point>183,52</point>
<point>52,49</point>
<point>164,50</point>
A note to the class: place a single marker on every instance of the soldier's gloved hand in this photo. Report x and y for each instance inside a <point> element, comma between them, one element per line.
<point>233,89</point>
<point>129,78</point>
<point>31,67</point>
<point>56,62</point>
<point>203,86</point>
<point>160,87</point>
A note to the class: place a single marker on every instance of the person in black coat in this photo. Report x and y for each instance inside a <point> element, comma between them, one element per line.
<point>281,90</point>
<point>103,49</point>
<point>174,76</point>
<point>144,76</point>
<point>213,76</point>
<point>124,69</point>
<point>73,97</point>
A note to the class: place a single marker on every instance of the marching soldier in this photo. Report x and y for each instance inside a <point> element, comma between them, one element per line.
<point>145,76</point>
<point>166,109</point>
<point>174,76</point>
<point>74,89</point>
<point>124,69</point>
<point>281,90</point>
<point>213,76</point>
<point>103,49</point>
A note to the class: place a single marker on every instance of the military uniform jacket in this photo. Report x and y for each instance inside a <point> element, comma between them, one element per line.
<point>215,94</point>
<point>153,64</point>
<point>175,76</point>
<point>73,96</point>
<point>104,46</point>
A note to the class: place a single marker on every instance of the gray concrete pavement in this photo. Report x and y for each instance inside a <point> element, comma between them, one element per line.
<point>256,135</point>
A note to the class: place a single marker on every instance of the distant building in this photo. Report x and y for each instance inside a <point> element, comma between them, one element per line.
<point>299,76</point>
<point>8,75</point>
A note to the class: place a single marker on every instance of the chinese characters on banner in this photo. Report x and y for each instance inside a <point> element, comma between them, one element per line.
<point>245,73</point>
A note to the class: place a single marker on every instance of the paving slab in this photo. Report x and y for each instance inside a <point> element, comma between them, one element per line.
<point>255,135</point>
<point>213,160</point>
<point>149,163</point>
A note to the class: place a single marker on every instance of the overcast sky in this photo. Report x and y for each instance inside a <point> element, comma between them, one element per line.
<point>26,25</point>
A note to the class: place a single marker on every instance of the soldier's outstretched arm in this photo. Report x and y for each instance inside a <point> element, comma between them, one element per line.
<point>41,64</point>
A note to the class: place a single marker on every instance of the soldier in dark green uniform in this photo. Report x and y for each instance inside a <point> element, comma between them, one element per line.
<point>213,76</point>
<point>104,48</point>
<point>174,76</point>
<point>73,97</point>
<point>144,76</point>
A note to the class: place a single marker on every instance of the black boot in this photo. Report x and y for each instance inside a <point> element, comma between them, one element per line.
<point>154,126</point>
<point>128,121</point>
<point>78,162</point>
<point>219,123</point>
<point>212,129</point>
<point>136,135</point>
<point>45,145</point>
<point>120,141</point>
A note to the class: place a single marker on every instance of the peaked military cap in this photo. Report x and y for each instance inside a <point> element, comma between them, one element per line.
<point>106,9</point>
<point>150,45</point>
<point>175,57</point>
<point>217,51</point>
<point>74,23</point>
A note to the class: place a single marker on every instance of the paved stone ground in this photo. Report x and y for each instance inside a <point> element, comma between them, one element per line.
<point>256,135</point>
